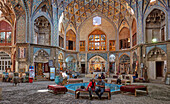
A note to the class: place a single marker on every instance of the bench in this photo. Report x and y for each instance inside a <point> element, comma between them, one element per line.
<point>78,92</point>
<point>70,81</point>
<point>57,89</point>
<point>133,89</point>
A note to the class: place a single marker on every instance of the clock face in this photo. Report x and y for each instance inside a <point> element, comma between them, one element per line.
<point>112,58</point>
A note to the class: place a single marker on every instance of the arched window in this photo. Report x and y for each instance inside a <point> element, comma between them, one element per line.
<point>97,41</point>
<point>124,38</point>
<point>5,33</point>
<point>70,40</point>
<point>155,26</point>
<point>42,31</point>
<point>134,33</point>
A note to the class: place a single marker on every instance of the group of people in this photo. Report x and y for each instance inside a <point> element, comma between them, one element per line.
<point>99,88</point>
<point>100,75</point>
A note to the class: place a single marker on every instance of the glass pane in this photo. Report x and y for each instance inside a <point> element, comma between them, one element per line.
<point>8,66</point>
<point>97,46</point>
<point>8,37</point>
<point>2,62</point>
<point>97,38</point>
<point>103,38</point>
<point>91,38</point>
<point>2,67</point>
<point>9,62</point>
<point>2,37</point>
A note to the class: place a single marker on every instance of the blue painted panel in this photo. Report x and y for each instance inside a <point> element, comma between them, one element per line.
<point>90,55</point>
<point>128,53</point>
<point>37,49</point>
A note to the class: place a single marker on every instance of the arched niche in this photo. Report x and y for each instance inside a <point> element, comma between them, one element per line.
<point>97,64</point>
<point>124,64</point>
<point>155,26</point>
<point>156,62</point>
<point>42,31</point>
<point>124,38</point>
<point>70,63</point>
<point>70,40</point>
<point>134,33</point>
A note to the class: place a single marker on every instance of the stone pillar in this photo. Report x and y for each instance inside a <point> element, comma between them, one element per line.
<point>168,38</point>
<point>65,40</point>
<point>117,41</point>
<point>131,61</point>
<point>16,66</point>
<point>117,62</point>
<point>130,37</point>
<point>86,64</point>
<point>168,57</point>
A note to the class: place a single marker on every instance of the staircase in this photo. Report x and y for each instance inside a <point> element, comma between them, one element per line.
<point>158,80</point>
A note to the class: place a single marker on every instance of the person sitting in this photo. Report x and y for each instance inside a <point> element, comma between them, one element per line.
<point>100,87</point>
<point>102,76</point>
<point>119,80</point>
<point>91,88</point>
<point>136,74</point>
<point>96,76</point>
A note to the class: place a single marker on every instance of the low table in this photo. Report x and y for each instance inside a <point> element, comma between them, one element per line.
<point>133,88</point>
<point>57,88</point>
<point>74,81</point>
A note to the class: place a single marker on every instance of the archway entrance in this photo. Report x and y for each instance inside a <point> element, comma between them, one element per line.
<point>124,64</point>
<point>5,62</point>
<point>41,59</point>
<point>97,64</point>
<point>156,63</point>
<point>71,63</point>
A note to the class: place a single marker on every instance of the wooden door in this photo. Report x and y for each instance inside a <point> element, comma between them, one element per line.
<point>159,69</point>
<point>83,68</point>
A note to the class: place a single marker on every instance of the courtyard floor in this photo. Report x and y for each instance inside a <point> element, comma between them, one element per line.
<point>27,93</point>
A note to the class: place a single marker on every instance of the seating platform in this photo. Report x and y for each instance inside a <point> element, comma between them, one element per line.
<point>57,89</point>
<point>81,92</point>
<point>133,88</point>
<point>70,81</point>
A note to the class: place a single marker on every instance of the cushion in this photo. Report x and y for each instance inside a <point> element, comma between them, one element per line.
<point>131,88</point>
<point>57,88</point>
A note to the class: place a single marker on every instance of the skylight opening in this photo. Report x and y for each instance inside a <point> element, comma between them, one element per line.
<point>151,1</point>
<point>97,21</point>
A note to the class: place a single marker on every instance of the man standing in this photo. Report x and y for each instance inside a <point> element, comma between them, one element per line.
<point>100,87</point>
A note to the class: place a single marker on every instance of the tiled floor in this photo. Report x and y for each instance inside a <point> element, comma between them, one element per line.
<point>27,93</point>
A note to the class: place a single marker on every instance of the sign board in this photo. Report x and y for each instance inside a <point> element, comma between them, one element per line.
<point>50,62</point>
<point>31,72</point>
<point>52,73</point>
